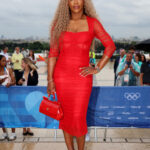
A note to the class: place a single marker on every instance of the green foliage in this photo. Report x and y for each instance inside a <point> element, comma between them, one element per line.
<point>36,46</point>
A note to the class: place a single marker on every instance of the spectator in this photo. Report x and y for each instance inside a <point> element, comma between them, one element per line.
<point>138,59</point>
<point>16,60</point>
<point>139,62</point>
<point>118,60</point>
<point>143,58</point>
<point>25,53</point>
<point>28,77</point>
<point>4,52</point>
<point>132,50</point>
<point>145,73</point>
<point>6,79</point>
<point>128,72</point>
<point>32,56</point>
<point>92,60</point>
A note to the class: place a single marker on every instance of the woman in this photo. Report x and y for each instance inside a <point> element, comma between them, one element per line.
<point>143,58</point>
<point>7,79</point>
<point>32,56</point>
<point>69,75</point>
<point>28,77</point>
<point>138,59</point>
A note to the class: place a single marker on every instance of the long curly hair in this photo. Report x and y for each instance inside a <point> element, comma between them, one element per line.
<point>62,17</point>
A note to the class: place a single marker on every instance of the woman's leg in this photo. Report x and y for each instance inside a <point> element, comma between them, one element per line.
<point>4,130</point>
<point>81,142</point>
<point>13,130</point>
<point>24,130</point>
<point>4,135</point>
<point>69,140</point>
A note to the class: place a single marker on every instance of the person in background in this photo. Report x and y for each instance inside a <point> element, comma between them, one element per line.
<point>143,58</point>
<point>132,50</point>
<point>4,52</point>
<point>145,73</point>
<point>138,59</point>
<point>25,52</point>
<point>127,72</point>
<point>32,56</point>
<point>6,79</point>
<point>28,77</point>
<point>16,60</point>
<point>118,60</point>
<point>92,60</point>
<point>139,62</point>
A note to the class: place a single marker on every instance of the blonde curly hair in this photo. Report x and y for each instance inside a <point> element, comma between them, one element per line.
<point>62,17</point>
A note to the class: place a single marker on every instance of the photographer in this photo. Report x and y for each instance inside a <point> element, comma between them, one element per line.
<point>128,72</point>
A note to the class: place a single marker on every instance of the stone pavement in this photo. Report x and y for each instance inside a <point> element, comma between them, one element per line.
<point>116,139</point>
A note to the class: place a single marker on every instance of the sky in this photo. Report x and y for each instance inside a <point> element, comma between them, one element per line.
<point>121,18</point>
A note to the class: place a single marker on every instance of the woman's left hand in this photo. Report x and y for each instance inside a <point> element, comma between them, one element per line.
<point>87,71</point>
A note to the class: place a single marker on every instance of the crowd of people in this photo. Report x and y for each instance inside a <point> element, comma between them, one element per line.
<point>19,70</point>
<point>131,69</point>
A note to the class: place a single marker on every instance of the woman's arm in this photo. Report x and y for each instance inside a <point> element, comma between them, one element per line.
<point>52,59</point>
<point>101,34</point>
<point>13,81</point>
<point>141,79</point>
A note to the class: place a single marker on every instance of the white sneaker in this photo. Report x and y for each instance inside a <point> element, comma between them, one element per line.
<point>12,137</point>
<point>3,136</point>
<point>87,138</point>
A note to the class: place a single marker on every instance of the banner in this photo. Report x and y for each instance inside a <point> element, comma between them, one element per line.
<point>119,107</point>
<point>19,107</point>
<point>108,107</point>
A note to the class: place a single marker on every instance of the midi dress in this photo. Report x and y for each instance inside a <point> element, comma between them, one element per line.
<point>73,90</point>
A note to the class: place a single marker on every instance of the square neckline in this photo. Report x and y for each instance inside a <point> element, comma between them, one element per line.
<point>81,31</point>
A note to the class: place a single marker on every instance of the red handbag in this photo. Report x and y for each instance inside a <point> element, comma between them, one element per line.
<point>51,108</point>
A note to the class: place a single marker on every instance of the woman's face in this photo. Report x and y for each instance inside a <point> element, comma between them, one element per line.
<point>76,6</point>
<point>136,58</point>
<point>30,53</point>
<point>3,62</point>
<point>23,65</point>
<point>142,58</point>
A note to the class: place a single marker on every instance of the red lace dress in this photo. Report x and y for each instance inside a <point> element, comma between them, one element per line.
<point>73,90</point>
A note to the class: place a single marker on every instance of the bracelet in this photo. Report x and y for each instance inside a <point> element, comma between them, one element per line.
<point>50,80</point>
<point>98,69</point>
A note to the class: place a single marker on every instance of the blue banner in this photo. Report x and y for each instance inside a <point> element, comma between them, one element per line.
<point>19,107</point>
<point>108,107</point>
<point>119,107</point>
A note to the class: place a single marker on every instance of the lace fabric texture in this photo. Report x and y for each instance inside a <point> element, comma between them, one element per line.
<point>73,90</point>
<point>99,32</point>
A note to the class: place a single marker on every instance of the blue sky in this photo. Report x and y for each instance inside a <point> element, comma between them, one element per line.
<point>121,18</point>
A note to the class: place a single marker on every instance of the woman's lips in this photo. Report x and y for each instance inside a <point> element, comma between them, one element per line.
<point>76,7</point>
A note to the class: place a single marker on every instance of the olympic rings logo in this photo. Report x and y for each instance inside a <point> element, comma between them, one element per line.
<point>132,96</point>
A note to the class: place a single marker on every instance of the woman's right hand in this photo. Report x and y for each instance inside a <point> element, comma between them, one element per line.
<point>51,88</point>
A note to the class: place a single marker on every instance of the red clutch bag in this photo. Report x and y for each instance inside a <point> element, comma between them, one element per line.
<point>51,108</point>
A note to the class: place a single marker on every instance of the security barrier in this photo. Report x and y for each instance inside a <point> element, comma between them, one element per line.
<point>108,107</point>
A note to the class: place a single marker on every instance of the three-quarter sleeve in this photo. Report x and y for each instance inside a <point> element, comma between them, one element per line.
<point>54,50</point>
<point>104,37</point>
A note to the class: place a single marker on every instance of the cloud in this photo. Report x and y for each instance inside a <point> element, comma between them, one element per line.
<point>20,18</point>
